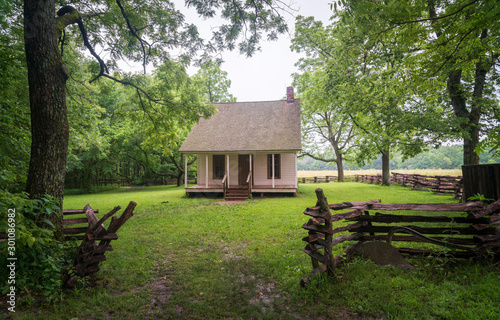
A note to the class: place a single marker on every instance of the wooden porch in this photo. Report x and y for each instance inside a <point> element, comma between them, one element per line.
<point>203,190</point>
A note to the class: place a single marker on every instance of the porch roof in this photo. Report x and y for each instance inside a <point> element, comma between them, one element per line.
<point>248,126</point>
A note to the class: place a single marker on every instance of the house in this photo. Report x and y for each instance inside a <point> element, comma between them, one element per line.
<point>247,147</point>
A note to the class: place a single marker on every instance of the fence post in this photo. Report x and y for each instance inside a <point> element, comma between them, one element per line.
<point>323,207</point>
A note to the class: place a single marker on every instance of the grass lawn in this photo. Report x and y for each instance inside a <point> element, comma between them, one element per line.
<point>197,259</point>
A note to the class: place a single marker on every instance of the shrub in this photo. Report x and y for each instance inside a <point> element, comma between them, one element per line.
<point>41,259</point>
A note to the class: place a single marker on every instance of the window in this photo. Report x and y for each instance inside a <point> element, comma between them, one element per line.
<point>219,166</point>
<point>277,166</point>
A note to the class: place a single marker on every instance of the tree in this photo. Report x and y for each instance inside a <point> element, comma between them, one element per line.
<point>141,31</point>
<point>362,78</point>
<point>327,131</point>
<point>452,46</point>
<point>213,83</point>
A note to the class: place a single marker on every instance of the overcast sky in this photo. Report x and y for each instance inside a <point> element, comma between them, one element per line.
<point>267,73</point>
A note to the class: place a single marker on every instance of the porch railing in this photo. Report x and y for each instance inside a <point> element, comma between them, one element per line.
<point>224,185</point>
<point>249,182</point>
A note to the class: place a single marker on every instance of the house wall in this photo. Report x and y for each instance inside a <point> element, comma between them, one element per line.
<point>288,170</point>
<point>233,170</point>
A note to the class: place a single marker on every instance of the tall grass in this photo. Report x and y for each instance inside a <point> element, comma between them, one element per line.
<point>180,258</point>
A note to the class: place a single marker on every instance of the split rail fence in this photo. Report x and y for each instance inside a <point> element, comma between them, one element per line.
<point>90,252</point>
<point>469,229</point>
<point>317,179</point>
<point>439,184</point>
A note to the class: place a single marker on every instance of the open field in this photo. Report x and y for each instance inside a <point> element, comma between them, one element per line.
<point>199,259</point>
<point>427,172</point>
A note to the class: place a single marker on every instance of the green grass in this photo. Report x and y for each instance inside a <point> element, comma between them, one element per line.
<point>196,259</point>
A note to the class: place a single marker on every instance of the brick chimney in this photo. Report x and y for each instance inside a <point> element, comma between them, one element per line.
<point>289,95</point>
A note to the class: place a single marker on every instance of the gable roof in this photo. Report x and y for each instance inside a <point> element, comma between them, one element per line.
<point>248,126</point>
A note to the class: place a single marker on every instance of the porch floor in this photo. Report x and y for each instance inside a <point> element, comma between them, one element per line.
<point>255,188</point>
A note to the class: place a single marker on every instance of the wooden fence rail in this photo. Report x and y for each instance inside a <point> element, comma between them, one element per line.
<point>317,179</point>
<point>439,184</point>
<point>470,229</point>
<point>90,253</point>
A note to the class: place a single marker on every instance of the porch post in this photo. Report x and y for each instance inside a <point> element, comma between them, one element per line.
<point>206,171</point>
<point>296,173</point>
<point>227,169</point>
<point>251,178</point>
<point>185,171</point>
<point>272,167</point>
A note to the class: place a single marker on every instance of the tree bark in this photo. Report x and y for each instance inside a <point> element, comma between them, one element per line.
<point>470,119</point>
<point>47,77</point>
<point>386,177</point>
<point>340,166</point>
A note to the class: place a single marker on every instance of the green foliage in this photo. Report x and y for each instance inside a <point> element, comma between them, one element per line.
<point>448,53</point>
<point>15,135</point>
<point>213,84</point>
<point>358,82</point>
<point>40,258</point>
<point>480,197</point>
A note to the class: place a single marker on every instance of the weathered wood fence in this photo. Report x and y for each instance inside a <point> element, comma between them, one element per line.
<point>317,179</point>
<point>373,179</point>
<point>439,184</point>
<point>470,229</point>
<point>482,179</point>
<point>90,253</point>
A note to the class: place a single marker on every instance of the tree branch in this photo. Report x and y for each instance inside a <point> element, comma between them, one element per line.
<point>132,30</point>
<point>68,15</point>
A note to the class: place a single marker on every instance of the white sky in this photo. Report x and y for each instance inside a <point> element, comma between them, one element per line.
<point>267,73</point>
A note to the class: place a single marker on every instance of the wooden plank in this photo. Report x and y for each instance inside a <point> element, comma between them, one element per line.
<point>127,214</point>
<point>349,227</point>
<point>95,227</point>
<point>316,213</point>
<point>74,230</point>
<point>109,236</point>
<point>391,218</point>
<point>346,215</point>
<point>457,254</point>
<point>314,254</point>
<point>316,221</point>
<point>96,258</point>
<point>314,237</point>
<point>486,238</point>
<point>91,270</point>
<point>92,219</point>
<point>347,205</point>
<point>74,221</point>
<point>494,218</point>
<point>441,231</point>
<point>79,237</point>
<point>318,228</point>
<point>464,207</point>
<point>462,241</point>
<point>489,210</point>
<point>348,237</point>
<point>77,211</point>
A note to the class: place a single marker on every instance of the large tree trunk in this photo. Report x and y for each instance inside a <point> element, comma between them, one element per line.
<point>340,166</point>
<point>386,176</point>
<point>49,122</point>
<point>470,119</point>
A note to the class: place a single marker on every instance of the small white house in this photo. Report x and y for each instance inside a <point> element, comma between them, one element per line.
<point>247,147</point>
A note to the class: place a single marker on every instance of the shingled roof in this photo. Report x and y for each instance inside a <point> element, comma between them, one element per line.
<point>248,126</point>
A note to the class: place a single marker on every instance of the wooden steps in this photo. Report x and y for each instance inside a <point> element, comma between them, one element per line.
<point>238,193</point>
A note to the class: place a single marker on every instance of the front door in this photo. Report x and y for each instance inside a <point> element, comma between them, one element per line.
<point>243,169</point>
